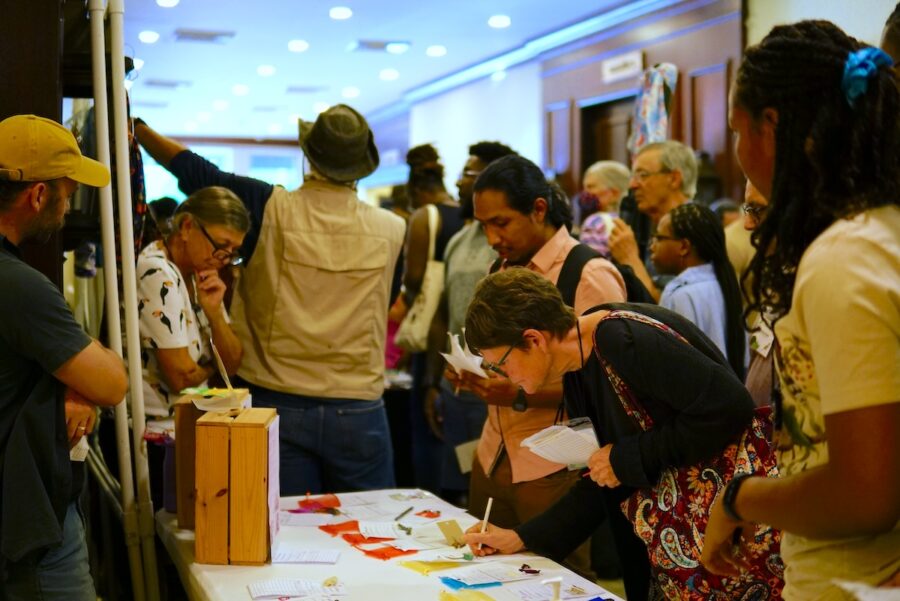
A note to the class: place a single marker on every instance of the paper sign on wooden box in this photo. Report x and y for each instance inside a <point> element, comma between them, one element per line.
<point>237,487</point>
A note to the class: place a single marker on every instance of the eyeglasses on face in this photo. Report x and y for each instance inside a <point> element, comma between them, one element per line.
<point>642,175</point>
<point>470,173</point>
<point>754,211</point>
<point>221,253</point>
<point>495,367</point>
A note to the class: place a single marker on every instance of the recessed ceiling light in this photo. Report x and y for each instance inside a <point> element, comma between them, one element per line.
<point>190,126</point>
<point>148,37</point>
<point>396,47</point>
<point>220,105</point>
<point>436,51</point>
<point>274,128</point>
<point>240,89</point>
<point>499,21</point>
<point>339,13</point>
<point>204,116</point>
<point>388,74</point>
<point>320,107</point>
<point>298,45</point>
<point>265,70</point>
<point>167,3</point>
<point>350,92</point>
<point>138,64</point>
<point>498,75</point>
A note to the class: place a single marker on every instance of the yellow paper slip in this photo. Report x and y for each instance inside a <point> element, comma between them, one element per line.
<point>427,567</point>
<point>465,595</point>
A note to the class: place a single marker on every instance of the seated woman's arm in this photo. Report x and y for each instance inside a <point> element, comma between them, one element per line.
<point>712,405</point>
<point>179,370</point>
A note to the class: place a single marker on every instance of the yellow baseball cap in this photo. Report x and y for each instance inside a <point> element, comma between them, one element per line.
<point>35,149</point>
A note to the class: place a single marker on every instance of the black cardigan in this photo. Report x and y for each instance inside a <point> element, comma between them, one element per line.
<point>697,404</point>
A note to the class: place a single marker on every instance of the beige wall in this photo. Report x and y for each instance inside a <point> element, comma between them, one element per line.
<point>863,19</point>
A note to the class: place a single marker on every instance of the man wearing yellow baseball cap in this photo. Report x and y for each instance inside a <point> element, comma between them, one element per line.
<point>52,375</point>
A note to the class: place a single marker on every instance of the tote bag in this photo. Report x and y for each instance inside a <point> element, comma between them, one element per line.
<point>412,335</point>
<point>671,516</point>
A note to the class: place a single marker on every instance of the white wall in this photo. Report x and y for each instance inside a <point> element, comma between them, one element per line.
<point>863,19</point>
<point>508,111</point>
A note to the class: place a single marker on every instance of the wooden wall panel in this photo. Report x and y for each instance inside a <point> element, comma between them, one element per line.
<point>558,142</point>
<point>708,118</point>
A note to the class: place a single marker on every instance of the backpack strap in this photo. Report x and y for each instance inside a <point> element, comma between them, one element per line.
<point>570,274</point>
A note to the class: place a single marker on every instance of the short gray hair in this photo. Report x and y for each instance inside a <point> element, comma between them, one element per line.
<point>213,205</point>
<point>675,156</point>
<point>613,174</point>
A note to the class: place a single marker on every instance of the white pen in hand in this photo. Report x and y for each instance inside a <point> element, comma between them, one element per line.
<point>487,516</point>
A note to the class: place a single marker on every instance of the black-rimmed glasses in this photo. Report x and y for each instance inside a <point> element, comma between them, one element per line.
<point>754,211</point>
<point>221,253</point>
<point>495,367</point>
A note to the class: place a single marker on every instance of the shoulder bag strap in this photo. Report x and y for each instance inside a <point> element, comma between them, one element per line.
<point>570,274</point>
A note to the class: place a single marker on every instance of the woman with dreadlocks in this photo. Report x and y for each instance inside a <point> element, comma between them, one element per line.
<point>690,243</point>
<point>816,117</point>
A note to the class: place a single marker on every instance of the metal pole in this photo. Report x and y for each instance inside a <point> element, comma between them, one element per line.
<point>129,286</point>
<point>123,444</point>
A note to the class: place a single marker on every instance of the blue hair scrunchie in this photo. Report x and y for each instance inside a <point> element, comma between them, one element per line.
<point>860,67</point>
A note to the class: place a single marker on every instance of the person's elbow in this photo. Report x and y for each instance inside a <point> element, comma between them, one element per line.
<point>115,386</point>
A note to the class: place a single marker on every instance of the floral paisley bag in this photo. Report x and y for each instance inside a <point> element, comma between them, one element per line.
<point>671,516</point>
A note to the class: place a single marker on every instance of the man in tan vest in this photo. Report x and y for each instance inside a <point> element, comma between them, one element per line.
<point>312,301</point>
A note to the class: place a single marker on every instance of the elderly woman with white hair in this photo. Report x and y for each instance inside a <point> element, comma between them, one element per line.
<point>605,185</point>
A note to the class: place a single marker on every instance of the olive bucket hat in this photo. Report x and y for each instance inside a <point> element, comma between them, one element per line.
<point>339,144</point>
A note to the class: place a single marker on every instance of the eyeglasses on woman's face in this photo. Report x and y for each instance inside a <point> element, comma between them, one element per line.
<point>221,252</point>
<point>754,211</point>
<point>496,367</point>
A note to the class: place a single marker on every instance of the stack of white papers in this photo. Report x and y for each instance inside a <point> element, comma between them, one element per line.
<point>486,573</point>
<point>461,358</point>
<point>288,553</point>
<point>276,588</point>
<point>562,444</point>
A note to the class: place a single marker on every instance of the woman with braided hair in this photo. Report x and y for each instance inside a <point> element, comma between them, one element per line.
<point>690,243</point>
<point>816,117</point>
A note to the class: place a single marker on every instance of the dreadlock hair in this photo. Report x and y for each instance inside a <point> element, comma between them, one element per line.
<point>831,160</point>
<point>425,170</point>
<point>523,182</point>
<point>890,40</point>
<point>489,152</point>
<point>703,228</point>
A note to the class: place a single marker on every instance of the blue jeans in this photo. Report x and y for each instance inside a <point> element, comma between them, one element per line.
<point>464,417</point>
<point>62,573</point>
<point>330,445</point>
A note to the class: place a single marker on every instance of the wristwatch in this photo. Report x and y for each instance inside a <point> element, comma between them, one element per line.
<point>730,496</point>
<point>520,403</point>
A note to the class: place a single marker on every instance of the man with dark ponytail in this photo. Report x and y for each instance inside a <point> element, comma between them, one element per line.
<point>816,117</point>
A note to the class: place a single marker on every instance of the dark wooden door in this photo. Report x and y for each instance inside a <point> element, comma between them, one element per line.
<point>604,132</point>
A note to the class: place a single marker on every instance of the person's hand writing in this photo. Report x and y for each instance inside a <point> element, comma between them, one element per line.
<point>494,540</point>
<point>601,469</point>
<point>81,415</point>
<point>622,243</point>
<point>210,291</point>
<point>720,555</point>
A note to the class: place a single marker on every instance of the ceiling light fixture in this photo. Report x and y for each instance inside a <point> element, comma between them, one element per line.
<point>148,37</point>
<point>167,3</point>
<point>396,47</point>
<point>220,105</point>
<point>320,107</point>
<point>265,70</point>
<point>499,21</point>
<point>298,45</point>
<point>498,75</point>
<point>138,64</point>
<point>350,92</point>
<point>388,74</point>
<point>240,89</point>
<point>339,13</point>
<point>436,51</point>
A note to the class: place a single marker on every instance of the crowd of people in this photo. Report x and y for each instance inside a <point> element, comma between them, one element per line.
<point>765,352</point>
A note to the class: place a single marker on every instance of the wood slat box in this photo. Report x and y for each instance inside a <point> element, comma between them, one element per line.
<point>237,486</point>
<point>186,416</point>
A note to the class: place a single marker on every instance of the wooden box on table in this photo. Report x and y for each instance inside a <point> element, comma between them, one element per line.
<point>237,486</point>
<point>186,416</point>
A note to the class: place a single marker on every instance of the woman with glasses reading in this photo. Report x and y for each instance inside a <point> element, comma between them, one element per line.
<point>658,394</point>
<point>180,296</point>
<point>690,244</point>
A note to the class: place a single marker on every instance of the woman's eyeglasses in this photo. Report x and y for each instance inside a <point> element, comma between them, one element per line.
<point>495,367</point>
<point>755,212</point>
<point>221,253</point>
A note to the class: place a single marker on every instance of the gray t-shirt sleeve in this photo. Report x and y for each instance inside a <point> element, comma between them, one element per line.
<point>37,321</point>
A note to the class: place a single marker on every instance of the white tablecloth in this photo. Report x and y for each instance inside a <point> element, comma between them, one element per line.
<point>365,578</point>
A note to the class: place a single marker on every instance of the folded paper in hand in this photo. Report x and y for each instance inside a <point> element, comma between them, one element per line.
<point>461,358</point>
<point>564,444</point>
